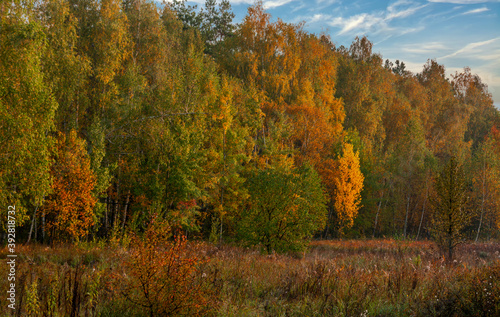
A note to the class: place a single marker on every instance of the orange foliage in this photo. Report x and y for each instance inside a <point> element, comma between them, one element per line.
<point>164,278</point>
<point>69,209</point>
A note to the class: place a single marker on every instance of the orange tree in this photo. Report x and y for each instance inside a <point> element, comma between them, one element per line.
<point>69,209</point>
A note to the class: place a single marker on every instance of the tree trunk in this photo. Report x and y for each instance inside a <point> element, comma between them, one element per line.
<point>43,227</point>
<point>106,215</point>
<point>406,218</point>
<point>32,223</point>
<point>423,207</point>
<point>376,216</point>
<point>482,202</point>
<point>221,185</point>
<point>125,212</point>
<point>36,230</point>
<point>328,221</point>
<point>117,200</point>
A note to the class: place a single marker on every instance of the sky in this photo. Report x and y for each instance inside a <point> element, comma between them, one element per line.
<point>456,33</point>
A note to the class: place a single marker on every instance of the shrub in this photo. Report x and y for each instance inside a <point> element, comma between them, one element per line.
<point>161,277</point>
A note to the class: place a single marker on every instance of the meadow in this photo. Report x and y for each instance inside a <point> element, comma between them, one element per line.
<point>333,278</point>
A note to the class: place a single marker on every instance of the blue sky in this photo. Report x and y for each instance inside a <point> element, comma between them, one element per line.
<point>457,33</point>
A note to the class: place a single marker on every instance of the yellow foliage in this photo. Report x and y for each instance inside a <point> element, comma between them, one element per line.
<point>348,186</point>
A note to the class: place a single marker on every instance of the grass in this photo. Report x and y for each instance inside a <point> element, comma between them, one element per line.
<point>336,278</point>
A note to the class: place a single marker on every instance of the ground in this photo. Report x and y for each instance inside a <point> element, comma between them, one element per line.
<point>333,278</point>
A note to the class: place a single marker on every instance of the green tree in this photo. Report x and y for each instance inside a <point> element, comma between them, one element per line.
<point>27,110</point>
<point>285,208</point>
<point>450,213</point>
<point>407,164</point>
<point>67,70</point>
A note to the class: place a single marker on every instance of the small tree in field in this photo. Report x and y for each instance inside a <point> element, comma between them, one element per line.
<point>450,215</point>
<point>285,208</point>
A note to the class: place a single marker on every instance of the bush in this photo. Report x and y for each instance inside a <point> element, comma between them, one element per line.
<point>160,276</point>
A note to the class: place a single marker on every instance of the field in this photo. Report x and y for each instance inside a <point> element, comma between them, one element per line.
<point>333,278</point>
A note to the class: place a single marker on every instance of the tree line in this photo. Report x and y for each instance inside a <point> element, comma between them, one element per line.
<point>116,112</point>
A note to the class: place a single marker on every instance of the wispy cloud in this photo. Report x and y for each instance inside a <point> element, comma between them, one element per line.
<point>424,48</point>
<point>271,4</point>
<point>463,1</point>
<point>470,48</point>
<point>479,10</point>
<point>362,22</point>
<point>201,3</point>
<point>319,17</point>
<point>377,21</point>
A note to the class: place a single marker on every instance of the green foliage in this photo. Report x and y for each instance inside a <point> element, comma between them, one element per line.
<point>179,106</point>
<point>27,110</point>
<point>450,213</point>
<point>285,208</point>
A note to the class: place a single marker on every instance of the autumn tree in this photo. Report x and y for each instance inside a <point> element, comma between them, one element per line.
<point>365,87</point>
<point>235,118</point>
<point>450,213</point>
<point>447,118</point>
<point>285,208</point>
<point>408,164</point>
<point>69,208</point>
<point>473,94</point>
<point>348,184</point>
<point>495,139</point>
<point>294,74</point>
<point>486,183</point>
<point>67,70</point>
<point>27,110</point>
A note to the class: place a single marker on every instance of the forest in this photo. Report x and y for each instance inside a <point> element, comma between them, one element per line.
<point>129,123</point>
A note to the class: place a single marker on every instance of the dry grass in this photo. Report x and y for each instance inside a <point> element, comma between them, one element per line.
<point>336,278</point>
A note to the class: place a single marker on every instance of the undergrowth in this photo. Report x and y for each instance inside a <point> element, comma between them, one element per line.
<point>163,275</point>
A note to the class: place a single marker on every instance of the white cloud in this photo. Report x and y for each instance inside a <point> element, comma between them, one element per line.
<point>202,2</point>
<point>479,10</point>
<point>470,48</point>
<point>271,4</point>
<point>361,22</point>
<point>463,1</point>
<point>377,21</point>
<point>393,13</point>
<point>424,48</point>
<point>318,17</point>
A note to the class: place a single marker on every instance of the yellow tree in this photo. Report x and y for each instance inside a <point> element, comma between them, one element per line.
<point>348,183</point>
